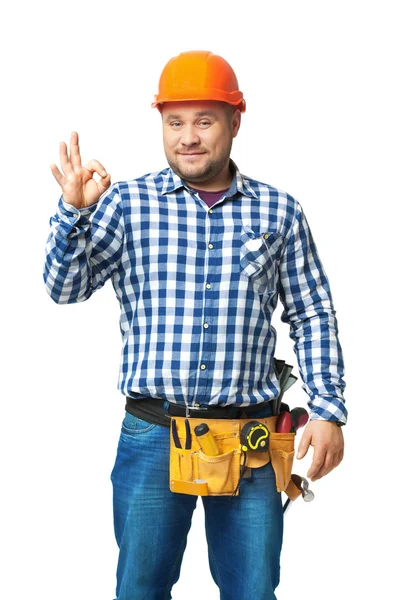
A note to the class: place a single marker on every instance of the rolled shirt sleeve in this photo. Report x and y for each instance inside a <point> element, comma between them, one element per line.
<point>309,311</point>
<point>83,249</point>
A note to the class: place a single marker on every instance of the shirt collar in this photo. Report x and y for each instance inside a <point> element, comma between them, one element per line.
<point>239,184</point>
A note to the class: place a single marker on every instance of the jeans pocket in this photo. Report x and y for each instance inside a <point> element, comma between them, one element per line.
<point>133,426</point>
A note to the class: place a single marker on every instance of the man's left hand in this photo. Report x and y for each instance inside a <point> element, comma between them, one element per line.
<point>328,442</point>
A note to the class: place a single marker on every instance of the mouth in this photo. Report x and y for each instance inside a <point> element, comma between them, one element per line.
<point>191,153</point>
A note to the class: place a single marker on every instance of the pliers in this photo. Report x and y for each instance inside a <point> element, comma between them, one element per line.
<point>188,441</point>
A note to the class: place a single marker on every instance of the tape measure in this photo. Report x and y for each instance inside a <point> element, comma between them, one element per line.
<point>254,436</point>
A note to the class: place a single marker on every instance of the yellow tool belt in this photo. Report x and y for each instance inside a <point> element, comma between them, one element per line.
<point>192,471</point>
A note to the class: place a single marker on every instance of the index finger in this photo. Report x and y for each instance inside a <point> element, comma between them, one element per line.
<point>75,152</point>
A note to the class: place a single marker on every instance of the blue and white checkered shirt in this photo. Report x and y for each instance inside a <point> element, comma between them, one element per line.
<point>197,288</point>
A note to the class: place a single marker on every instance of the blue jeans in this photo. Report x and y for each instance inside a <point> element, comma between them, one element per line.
<point>151,523</point>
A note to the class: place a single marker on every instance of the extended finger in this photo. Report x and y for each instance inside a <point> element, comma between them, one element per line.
<point>304,444</point>
<point>317,463</point>
<point>57,174</point>
<point>94,166</point>
<point>64,159</point>
<point>75,152</point>
<point>330,463</point>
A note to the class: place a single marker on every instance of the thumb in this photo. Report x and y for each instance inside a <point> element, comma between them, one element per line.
<point>304,445</point>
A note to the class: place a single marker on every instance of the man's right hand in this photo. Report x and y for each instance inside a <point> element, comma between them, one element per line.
<point>79,188</point>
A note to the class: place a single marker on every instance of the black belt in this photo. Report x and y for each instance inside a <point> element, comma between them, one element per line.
<point>156,410</point>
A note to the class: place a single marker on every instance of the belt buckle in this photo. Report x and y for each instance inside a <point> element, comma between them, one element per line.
<point>189,408</point>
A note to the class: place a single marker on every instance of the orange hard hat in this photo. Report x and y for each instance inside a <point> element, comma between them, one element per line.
<point>198,75</point>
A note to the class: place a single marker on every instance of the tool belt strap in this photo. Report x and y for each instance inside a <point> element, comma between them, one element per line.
<point>158,411</point>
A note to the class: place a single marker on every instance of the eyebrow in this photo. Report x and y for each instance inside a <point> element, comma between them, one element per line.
<point>202,113</point>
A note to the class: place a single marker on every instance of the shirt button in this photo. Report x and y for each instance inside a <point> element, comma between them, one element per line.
<point>202,367</point>
<point>205,325</point>
<point>266,236</point>
<point>210,211</point>
<point>208,286</point>
<point>210,246</point>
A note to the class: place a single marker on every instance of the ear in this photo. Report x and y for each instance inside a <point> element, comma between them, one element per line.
<point>236,120</point>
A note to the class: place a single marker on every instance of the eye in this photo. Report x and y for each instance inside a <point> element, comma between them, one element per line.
<point>175,124</point>
<point>204,123</point>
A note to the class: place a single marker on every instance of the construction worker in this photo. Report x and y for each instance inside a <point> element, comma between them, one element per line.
<point>198,255</point>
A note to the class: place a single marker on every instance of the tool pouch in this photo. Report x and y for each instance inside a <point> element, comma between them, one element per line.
<point>292,491</point>
<point>281,450</point>
<point>194,472</point>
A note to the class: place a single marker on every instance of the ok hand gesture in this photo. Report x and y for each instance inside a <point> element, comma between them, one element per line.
<point>79,188</point>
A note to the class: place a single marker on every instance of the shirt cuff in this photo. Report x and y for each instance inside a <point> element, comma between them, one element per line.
<point>73,221</point>
<point>328,408</point>
<point>70,211</point>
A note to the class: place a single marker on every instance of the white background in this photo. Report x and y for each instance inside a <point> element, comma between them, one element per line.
<point>320,79</point>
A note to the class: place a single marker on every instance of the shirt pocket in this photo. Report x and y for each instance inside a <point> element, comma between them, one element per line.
<point>259,252</point>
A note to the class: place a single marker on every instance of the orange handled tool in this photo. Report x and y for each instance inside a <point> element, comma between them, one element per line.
<point>206,440</point>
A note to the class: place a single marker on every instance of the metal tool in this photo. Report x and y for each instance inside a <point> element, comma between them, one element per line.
<point>188,439</point>
<point>302,484</point>
<point>308,495</point>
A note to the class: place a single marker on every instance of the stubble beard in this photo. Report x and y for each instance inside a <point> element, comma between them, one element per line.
<point>195,175</point>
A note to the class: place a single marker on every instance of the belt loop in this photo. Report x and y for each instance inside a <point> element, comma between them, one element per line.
<point>187,411</point>
<point>166,407</point>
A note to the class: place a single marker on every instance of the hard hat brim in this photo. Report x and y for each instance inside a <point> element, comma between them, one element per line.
<point>239,101</point>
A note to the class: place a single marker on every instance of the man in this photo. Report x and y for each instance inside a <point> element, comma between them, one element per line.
<point>197,288</point>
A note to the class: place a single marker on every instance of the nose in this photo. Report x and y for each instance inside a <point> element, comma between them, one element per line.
<point>189,136</point>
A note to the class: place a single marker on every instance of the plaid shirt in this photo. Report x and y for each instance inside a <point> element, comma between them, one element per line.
<point>197,288</point>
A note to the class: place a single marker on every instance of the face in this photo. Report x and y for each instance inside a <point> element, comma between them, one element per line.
<point>198,139</point>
